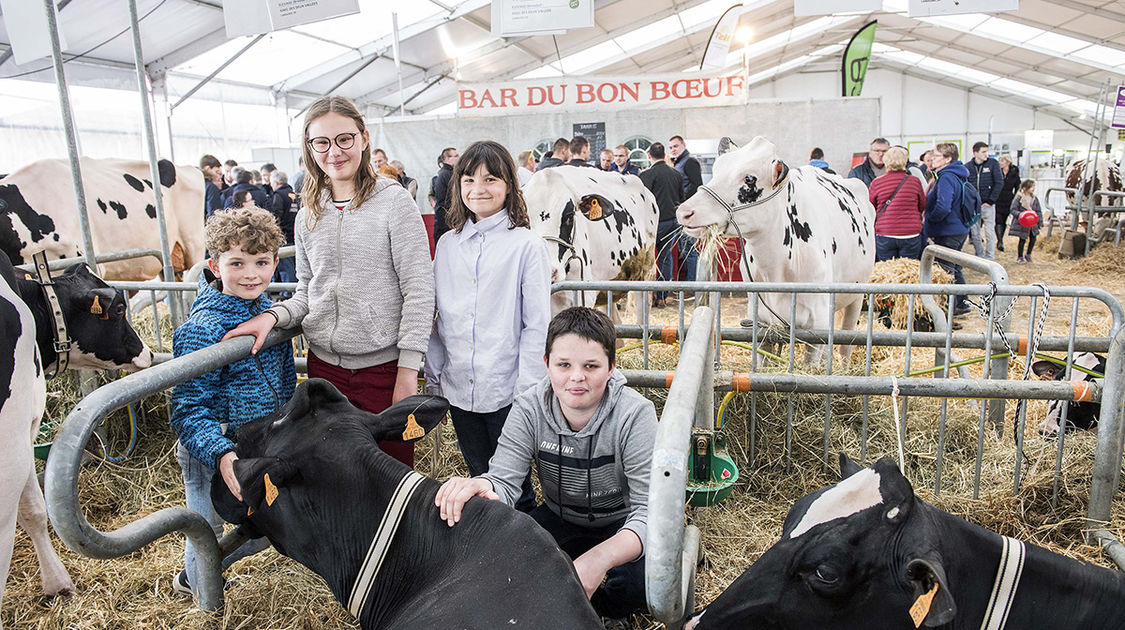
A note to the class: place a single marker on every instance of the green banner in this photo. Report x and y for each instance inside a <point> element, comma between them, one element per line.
<point>856,56</point>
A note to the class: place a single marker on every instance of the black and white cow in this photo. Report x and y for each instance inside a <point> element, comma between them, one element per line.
<point>37,212</point>
<point>868,554</point>
<point>315,483</point>
<point>1081,414</point>
<point>1078,174</point>
<point>599,226</point>
<point>799,224</point>
<point>102,339</point>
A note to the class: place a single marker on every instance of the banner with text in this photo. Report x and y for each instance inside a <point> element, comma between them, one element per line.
<point>572,94</point>
<point>929,8</point>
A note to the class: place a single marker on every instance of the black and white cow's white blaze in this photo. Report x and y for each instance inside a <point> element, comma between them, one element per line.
<point>1079,415</point>
<point>863,553</point>
<point>600,226</point>
<point>37,212</point>
<point>805,225</point>
<point>328,490</point>
<point>102,339</point>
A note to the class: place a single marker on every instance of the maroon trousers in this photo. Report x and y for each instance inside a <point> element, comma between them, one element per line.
<point>370,389</point>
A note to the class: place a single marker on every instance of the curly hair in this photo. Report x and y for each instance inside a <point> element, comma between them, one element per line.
<point>253,229</point>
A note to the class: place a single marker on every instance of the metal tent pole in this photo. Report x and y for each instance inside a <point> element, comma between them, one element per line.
<point>71,137</point>
<point>150,140</point>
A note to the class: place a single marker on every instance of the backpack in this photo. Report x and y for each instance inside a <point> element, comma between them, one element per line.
<point>969,208</point>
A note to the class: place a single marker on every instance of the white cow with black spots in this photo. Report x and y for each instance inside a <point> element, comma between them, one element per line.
<point>799,224</point>
<point>599,226</point>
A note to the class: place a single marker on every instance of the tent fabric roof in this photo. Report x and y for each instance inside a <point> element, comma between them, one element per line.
<point>1047,54</point>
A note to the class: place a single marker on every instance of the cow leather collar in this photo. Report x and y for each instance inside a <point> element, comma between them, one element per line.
<point>377,553</point>
<point>1005,585</point>
<point>61,342</point>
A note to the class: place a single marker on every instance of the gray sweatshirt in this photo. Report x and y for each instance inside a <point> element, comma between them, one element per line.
<point>604,467</point>
<point>365,285</point>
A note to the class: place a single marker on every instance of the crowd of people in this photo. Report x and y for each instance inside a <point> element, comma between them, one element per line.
<point>376,311</point>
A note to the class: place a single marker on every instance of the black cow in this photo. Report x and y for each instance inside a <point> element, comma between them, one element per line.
<point>1079,415</point>
<point>866,553</point>
<point>101,338</point>
<point>327,496</point>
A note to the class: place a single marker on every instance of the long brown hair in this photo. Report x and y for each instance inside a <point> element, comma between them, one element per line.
<point>499,162</point>
<point>317,182</point>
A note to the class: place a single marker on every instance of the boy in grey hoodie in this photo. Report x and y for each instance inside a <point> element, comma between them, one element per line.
<point>591,438</point>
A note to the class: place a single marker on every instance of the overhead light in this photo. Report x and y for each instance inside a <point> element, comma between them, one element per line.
<point>743,35</point>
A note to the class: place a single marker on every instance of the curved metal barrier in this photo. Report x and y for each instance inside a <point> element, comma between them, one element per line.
<point>61,484</point>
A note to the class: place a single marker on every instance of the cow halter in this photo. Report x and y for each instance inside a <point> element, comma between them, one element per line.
<point>1005,585</point>
<point>377,553</point>
<point>61,342</point>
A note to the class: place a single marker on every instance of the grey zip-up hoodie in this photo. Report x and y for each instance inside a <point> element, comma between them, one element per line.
<point>602,475</point>
<point>365,284</point>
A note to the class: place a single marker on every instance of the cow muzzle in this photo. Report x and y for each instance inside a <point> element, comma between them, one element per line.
<point>143,360</point>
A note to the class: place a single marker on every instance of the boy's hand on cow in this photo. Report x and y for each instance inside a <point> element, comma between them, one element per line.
<point>226,469</point>
<point>591,568</point>
<point>258,327</point>
<point>453,495</point>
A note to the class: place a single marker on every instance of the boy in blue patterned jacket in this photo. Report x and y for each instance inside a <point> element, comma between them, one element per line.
<point>207,410</point>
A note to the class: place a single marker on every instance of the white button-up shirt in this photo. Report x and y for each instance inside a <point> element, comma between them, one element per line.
<point>493,291</point>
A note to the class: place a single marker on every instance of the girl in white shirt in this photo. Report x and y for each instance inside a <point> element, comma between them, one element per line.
<point>492,287</point>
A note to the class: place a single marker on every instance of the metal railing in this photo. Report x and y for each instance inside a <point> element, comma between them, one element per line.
<point>61,483</point>
<point>128,254</point>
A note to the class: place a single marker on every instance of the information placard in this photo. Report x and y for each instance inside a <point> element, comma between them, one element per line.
<point>540,17</point>
<point>1118,121</point>
<point>28,36</point>
<point>928,8</point>
<point>595,133</point>
<point>250,17</point>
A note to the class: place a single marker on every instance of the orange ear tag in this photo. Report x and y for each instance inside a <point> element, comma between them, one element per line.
<point>249,511</point>
<point>95,308</point>
<point>413,430</point>
<point>921,606</point>
<point>595,210</point>
<point>271,490</point>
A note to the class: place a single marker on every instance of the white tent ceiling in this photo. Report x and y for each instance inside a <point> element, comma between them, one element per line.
<point>1047,55</point>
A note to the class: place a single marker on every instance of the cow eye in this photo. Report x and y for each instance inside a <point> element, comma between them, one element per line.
<point>119,311</point>
<point>827,574</point>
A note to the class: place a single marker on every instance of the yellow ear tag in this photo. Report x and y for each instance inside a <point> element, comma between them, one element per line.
<point>271,490</point>
<point>921,606</point>
<point>95,308</point>
<point>413,430</point>
<point>595,210</point>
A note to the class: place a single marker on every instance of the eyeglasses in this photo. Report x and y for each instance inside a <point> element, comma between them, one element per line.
<point>321,144</point>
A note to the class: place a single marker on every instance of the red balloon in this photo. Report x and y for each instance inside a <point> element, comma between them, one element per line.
<point>1028,218</point>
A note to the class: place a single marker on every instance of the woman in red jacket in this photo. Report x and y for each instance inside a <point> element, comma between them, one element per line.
<point>899,206</point>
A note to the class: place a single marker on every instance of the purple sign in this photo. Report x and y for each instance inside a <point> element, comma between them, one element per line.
<point>1119,109</point>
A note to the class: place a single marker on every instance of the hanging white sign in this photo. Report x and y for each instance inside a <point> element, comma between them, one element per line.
<point>927,8</point>
<point>250,17</point>
<point>28,36</point>
<point>540,17</point>
<point>574,94</point>
<point>802,8</point>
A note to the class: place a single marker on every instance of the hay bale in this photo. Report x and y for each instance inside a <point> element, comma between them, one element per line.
<point>905,271</point>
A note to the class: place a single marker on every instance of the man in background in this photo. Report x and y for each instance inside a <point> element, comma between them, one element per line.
<point>441,187</point>
<point>621,163</point>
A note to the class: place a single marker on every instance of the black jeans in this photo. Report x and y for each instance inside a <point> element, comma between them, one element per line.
<point>477,435</point>
<point>956,243</point>
<point>1030,240</point>
<point>624,590</point>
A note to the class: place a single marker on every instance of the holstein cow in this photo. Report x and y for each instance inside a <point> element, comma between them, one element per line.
<point>798,224</point>
<point>1108,177</point>
<point>1079,415</point>
<point>599,226</point>
<point>37,212</point>
<point>867,554</point>
<point>101,338</point>
<point>315,483</point>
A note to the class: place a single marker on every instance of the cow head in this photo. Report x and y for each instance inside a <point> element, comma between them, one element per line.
<point>1079,414</point>
<point>315,459</point>
<point>101,336</point>
<point>745,175</point>
<point>855,555</point>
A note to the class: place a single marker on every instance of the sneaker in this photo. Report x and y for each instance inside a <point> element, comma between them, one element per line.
<point>1027,258</point>
<point>180,583</point>
<point>999,247</point>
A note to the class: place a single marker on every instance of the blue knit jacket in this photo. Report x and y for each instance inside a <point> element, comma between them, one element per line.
<point>231,395</point>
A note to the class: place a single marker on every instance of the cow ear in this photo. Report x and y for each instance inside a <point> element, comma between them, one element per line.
<point>595,207</point>
<point>1048,370</point>
<point>779,173</point>
<point>848,467</point>
<point>926,575</point>
<point>262,479</point>
<point>410,419</point>
<point>98,301</point>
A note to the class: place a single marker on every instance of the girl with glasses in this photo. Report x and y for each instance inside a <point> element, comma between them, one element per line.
<point>365,292</point>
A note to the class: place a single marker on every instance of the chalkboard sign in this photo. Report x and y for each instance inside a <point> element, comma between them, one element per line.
<point>595,133</point>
